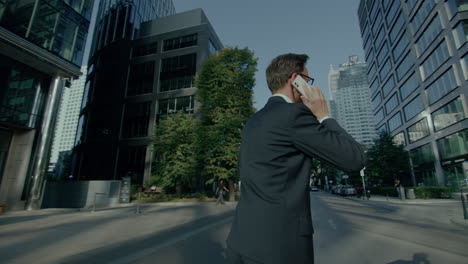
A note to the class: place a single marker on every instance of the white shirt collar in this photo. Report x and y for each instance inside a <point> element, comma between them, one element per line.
<point>284,97</point>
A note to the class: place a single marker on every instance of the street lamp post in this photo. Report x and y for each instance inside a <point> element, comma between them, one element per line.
<point>364,192</point>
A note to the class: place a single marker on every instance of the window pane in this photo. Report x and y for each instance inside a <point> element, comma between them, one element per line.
<point>388,86</point>
<point>399,139</point>
<point>435,60</point>
<point>404,66</point>
<point>394,122</point>
<point>413,108</point>
<point>441,86</point>
<point>409,86</point>
<point>449,114</point>
<point>453,145</point>
<point>431,32</point>
<point>422,13</point>
<point>418,131</point>
<point>180,42</point>
<point>391,104</point>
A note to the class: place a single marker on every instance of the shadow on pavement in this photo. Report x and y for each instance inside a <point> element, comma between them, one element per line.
<point>418,258</point>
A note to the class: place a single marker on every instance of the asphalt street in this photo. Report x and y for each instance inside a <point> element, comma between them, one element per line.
<point>350,231</point>
<point>347,230</point>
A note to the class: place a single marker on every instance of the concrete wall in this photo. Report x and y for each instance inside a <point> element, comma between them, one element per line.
<point>16,169</point>
<point>80,194</point>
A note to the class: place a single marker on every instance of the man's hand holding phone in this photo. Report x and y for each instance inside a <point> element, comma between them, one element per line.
<point>312,97</point>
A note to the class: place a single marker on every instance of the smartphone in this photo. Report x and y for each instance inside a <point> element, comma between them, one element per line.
<point>301,84</point>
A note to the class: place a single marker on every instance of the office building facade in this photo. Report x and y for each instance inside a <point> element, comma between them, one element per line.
<point>127,93</point>
<point>67,119</point>
<point>41,50</point>
<point>350,102</point>
<point>417,70</point>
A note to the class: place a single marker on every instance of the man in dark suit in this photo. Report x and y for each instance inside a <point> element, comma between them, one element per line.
<point>272,223</point>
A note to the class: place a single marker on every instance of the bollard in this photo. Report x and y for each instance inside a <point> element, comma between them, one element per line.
<point>137,205</point>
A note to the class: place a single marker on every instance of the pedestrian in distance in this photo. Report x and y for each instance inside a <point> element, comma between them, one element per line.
<point>272,223</point>
<point>220,192</point>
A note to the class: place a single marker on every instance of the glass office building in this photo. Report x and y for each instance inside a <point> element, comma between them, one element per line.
<point>417,70</point>
<point>41,50</point>
<point>134,81</point>
<point>350,100</point>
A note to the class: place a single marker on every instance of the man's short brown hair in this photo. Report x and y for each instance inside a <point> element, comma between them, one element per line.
<point>282,67</point>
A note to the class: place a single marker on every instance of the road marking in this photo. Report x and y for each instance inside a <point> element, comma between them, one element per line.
<point>332,224</point>
<point>151,250</point>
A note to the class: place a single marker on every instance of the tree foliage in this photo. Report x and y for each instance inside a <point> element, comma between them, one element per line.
<point>387,162</point>
<point>225,85</point>
<point>174,149</point>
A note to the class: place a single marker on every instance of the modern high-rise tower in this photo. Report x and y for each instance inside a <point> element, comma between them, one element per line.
<point>133,80</point>
<point>417,69</point>
<point>350,101</point>
<point>41,50</point>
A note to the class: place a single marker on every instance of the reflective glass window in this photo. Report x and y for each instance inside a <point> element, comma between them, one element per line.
<point>173,105</point>
<point>374,85</point>
<point>404,66</point>
<point>443,85</point>
<point>388,86</point>
<point>409,86</point>
<point>382,54</point>
<point>411,4</point>
<point>178,72</point>
<point>413,108</point>
<point>418,131</point>
<point>379,116</point>
<point>372,71</point>
<point>431,32</point>
<point>377,100</point>
<point>449,114</point>
<point>454,145</point>
<point>399,139</point>
<point>146,49</point>
<point>394,122</point>
<point>141,78</point>
<point>422,13</point>
<point>23,92</point>
<point>391,104</point>
<point>421,155</point>
<point>385,69</point>
<point>397,27</point>
<point>181,42</point>
<point>377,23</point>
<point>136,120</point>
<point>400,47</point>
<point>460,33</point>
<point>392,12</point>
<point>380,38</point>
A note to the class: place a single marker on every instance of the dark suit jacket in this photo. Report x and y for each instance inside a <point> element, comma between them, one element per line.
<point>272,223</point>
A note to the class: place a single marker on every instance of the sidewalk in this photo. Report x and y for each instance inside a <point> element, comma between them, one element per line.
<point>73,235</point>
<point>447,211</point>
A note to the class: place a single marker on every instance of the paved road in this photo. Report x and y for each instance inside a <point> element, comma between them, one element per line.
<point>347,231</point>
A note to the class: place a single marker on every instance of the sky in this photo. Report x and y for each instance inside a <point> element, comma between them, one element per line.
<point>326,30</point>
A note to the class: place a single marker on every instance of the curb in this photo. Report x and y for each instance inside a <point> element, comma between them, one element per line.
<point>460,222</point>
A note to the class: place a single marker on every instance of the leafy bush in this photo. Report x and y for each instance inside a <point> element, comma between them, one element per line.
<point>433,192</point>
<point>163,197</point>
<point>420,192</point>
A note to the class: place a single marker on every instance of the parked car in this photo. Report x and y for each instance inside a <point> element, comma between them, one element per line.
<point>313,188</point>
<point>348,191</point>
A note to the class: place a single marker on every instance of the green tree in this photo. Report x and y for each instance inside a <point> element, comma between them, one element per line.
<point>387,162</point>
<point>174,152</point>
<point>225,85</point>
